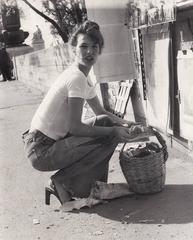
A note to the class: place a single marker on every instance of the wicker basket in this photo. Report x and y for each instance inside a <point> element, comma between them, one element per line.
<point>145,174</point>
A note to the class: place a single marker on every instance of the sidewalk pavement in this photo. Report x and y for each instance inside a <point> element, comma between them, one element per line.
<point>24,216</point>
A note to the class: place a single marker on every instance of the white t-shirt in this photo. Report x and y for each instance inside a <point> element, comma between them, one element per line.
<point>52,118</point>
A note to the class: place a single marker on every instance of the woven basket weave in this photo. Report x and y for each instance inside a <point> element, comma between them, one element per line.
<point>145,174</point>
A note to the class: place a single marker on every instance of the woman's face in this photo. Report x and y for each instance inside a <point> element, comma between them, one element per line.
<point>86,50</point>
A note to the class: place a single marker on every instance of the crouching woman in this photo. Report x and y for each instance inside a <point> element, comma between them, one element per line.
<point>59,140</point>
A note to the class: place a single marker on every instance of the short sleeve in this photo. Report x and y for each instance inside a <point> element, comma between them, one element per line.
<point>76,87</point>
<point>91,93</point>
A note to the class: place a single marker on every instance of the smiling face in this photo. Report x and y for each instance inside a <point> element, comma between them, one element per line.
<point>86,51</point>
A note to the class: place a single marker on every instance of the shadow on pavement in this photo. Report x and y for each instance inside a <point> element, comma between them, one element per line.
<point>172,206</point>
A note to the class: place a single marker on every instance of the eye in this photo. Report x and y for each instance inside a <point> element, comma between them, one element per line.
<point>84,46</point>
<point>95,46</point>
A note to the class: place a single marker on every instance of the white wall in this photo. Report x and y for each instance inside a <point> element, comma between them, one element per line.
<point>117,60</point>
<point>41,68</point>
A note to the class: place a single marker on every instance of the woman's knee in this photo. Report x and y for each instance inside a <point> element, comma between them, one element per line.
<point>35,164</point>
<point>38,165</point>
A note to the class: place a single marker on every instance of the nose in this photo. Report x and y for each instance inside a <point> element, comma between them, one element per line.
<point>90,50</point>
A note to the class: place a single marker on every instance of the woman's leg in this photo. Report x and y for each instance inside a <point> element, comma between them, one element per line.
<point>91,167</point>
<point>46,154</point>
<point>89,163</point>
<point>81,160</point>
<point>36,146</point>
<point>65,152</point>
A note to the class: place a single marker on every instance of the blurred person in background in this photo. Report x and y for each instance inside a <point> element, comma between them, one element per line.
<point>6,65</point>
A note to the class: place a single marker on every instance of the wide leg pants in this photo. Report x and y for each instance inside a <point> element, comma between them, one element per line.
<point>80,161</point>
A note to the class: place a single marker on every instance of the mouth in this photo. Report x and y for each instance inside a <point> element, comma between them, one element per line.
<point>89,58</point>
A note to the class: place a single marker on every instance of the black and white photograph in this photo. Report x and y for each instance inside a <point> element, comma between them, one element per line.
<point>96,119</point>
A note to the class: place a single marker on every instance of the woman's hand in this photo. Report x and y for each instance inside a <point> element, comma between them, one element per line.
<point>139,132</point>
<point>132,133</point>
<point>121,134</point>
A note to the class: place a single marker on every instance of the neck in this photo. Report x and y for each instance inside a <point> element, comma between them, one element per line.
<point>84,69</point>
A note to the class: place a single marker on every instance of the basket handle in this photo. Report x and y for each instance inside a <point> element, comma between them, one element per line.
<point>161,141</point>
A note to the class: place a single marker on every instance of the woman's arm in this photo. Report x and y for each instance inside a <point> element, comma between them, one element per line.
<point>77,128</point>
<point>97,108</point>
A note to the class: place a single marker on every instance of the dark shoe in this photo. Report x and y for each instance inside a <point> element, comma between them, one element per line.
<point>64,193</point>
<point>48,192</point>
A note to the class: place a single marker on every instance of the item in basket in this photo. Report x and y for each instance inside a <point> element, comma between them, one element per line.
<point>152,146</point>
<point>134,151</point>
<point>143,150</point>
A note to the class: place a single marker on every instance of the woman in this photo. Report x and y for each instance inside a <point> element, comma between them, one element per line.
<point>59,140</point>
